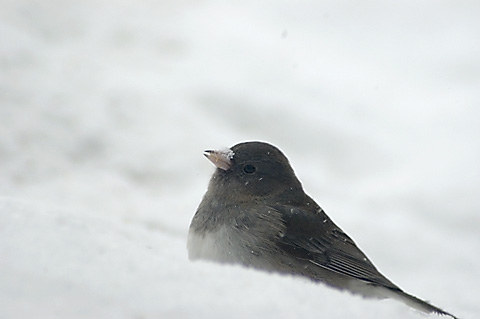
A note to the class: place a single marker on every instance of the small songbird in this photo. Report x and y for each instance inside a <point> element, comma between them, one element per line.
<point>256,213</point>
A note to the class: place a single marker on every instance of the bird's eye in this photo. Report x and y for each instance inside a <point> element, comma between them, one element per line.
<point>249,169</point>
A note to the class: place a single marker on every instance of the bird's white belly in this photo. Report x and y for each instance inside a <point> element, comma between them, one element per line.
<point>220,246</point>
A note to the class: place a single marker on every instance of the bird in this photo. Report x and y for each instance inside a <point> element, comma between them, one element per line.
<point>256,213</point>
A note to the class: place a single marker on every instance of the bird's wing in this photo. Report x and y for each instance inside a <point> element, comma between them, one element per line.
<point>312,236</point>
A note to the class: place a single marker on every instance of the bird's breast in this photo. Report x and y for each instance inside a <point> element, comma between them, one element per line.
<point>221,245</point>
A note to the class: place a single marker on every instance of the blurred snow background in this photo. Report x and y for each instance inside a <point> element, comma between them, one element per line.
<point>106,107</point>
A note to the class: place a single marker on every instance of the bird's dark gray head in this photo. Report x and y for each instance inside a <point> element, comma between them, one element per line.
<point>253,169</point>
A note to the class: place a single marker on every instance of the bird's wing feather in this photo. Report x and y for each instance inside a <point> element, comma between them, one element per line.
<point>311,236</point>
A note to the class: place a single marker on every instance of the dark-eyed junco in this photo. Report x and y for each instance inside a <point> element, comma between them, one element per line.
<point>255,213</point>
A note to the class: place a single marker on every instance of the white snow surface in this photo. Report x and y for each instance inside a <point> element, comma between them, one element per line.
<point>107,106</point>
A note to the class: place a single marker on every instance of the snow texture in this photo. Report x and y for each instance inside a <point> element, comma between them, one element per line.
<point>107,106</point>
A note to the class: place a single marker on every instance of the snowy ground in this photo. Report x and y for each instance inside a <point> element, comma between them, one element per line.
<point>106,107</point>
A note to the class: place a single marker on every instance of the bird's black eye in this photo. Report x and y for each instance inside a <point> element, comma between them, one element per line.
<point>249,169</point>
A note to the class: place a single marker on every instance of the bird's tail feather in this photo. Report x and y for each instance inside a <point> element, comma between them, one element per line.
<point>418,304</point>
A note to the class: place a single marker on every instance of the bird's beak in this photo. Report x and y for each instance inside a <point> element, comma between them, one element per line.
<point>221,159</point>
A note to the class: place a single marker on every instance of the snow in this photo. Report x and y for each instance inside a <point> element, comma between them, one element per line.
<point>106,108</point>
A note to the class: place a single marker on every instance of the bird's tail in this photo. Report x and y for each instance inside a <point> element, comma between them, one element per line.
<point>418,304</point>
